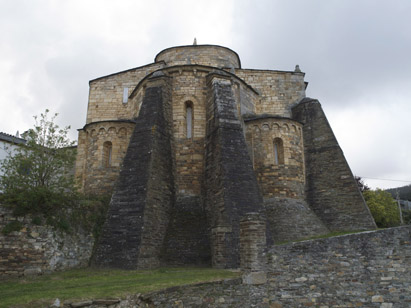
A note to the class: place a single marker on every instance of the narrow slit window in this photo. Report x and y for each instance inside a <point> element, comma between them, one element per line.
<point>107,153</point>
<point>189,120</point>
<point>125,95</point>
<point>275,154</point>
<point>278,152</point>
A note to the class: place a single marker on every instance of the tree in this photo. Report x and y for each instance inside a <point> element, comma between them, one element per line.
<point>361,185</point>
<point>383,208</point>
<point>38,175</point>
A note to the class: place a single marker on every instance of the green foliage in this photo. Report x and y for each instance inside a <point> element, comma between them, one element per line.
<point>404,192</point>
<point>89,212</point>
<point>36,220</point>
<point>77,285</point>
<point>383,208</point>
<point>406,216</point>
<point>37,176</point>
<point>12,226</point>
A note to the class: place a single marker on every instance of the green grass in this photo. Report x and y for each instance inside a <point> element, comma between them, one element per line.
<point>82,284</point>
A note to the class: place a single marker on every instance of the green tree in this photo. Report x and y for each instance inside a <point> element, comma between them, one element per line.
<point>37,177</point>
<point>383,208</point>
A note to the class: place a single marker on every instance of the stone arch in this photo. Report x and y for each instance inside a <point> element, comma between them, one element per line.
<point>101,131</point>
<point>122,132</point>
<point>111,130</point>
<point>286,128</point>
<point>276,127</point>
<point>265,126</point>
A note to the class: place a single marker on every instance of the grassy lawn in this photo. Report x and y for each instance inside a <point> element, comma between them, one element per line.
<point>80,284</point>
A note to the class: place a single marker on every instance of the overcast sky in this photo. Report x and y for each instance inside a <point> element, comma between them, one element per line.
<point>356,55</point>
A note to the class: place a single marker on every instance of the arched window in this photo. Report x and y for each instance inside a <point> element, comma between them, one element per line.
<point>189,119</point>
<point>278,151</point>
<point>107,153</point>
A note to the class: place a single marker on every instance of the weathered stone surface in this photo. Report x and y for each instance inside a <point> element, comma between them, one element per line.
<point>254,278</point>
<point>310,274</point>
<point>228,171</point>
<point>81,304</point>
<point>139,211</point>
<point>106,302</point>
<point>331,190</point>
<point>253,243</point>
<point>37,249</point>
<point>187,240</point>
<point>292,219</point>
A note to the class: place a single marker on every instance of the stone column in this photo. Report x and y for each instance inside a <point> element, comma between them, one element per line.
<point>252,248</point>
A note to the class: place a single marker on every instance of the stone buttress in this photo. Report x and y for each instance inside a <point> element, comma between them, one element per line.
<point>331,190</point>
<point>135,227</point>
<point>231,186</point>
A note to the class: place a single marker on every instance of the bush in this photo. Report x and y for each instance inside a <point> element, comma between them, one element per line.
<point>383,208</point>
<point>12,226</point>
<point>36,220</point>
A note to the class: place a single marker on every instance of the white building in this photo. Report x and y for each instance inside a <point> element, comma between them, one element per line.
<point>8,144</point>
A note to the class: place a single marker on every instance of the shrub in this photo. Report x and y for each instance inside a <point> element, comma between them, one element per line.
<point>383,208</point>
<point>12,226</point>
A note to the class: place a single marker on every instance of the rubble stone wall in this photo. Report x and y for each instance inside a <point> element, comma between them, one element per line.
<point>370,269</point>
<point>38,249</point>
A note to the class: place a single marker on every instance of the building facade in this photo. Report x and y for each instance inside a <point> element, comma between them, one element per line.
<point>189,144</point>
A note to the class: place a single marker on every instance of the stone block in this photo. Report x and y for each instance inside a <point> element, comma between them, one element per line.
<point>254,278</point>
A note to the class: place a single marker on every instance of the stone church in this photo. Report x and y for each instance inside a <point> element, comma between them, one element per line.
<point>191,143</point>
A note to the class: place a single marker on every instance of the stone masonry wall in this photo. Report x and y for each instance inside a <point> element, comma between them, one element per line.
<point>278,90</point>
<point>331,190</point>
<point>187,240</point>
<point>292,219</point>
<point>94,172</point>
<point>106,94</point>
<point>188,88</point>
<point>370,269</point>
<point>209,55</point>
<point>139,211</point>
<point>37,249</point>
<point>285,179</point>
<point>231,187</point>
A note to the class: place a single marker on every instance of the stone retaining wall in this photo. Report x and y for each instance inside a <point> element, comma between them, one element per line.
<point>370,269</point>
<point>40,249</point>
